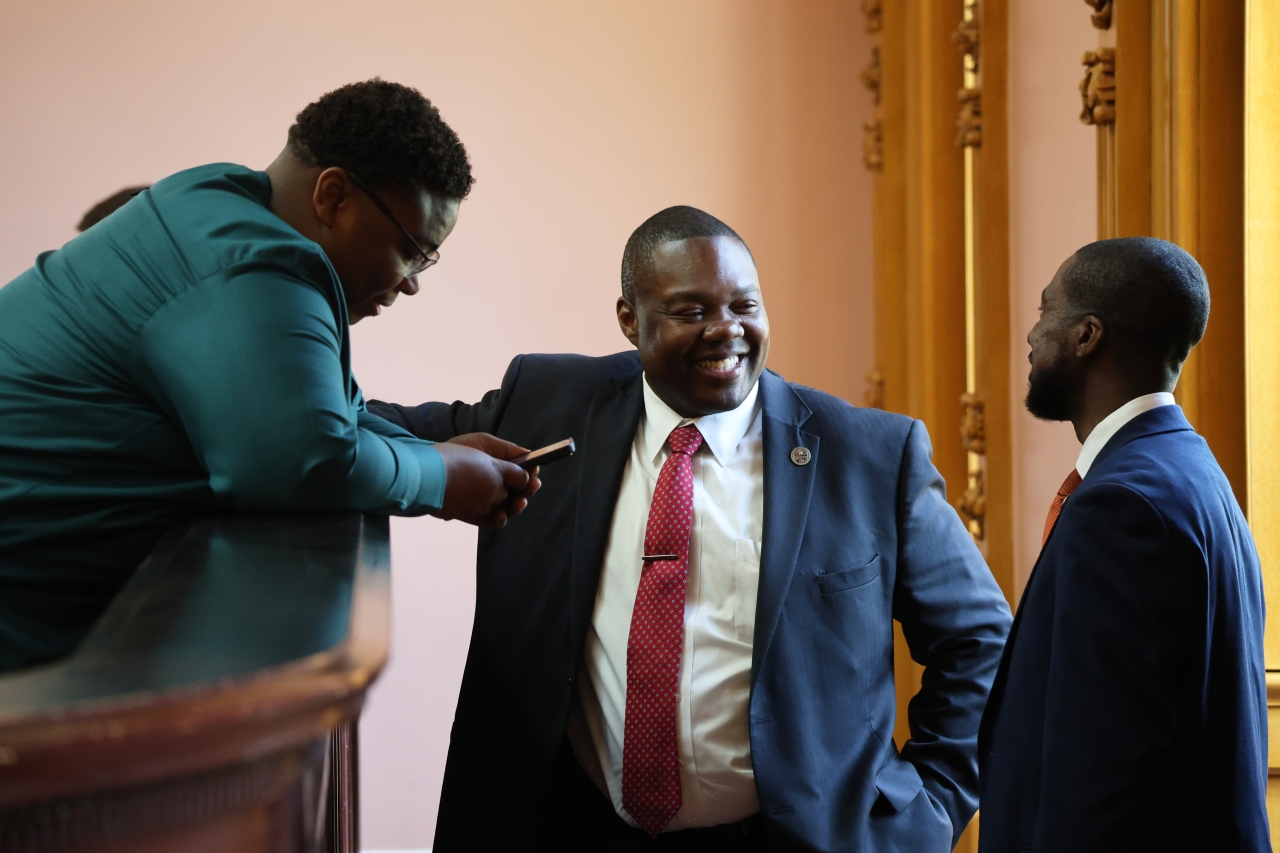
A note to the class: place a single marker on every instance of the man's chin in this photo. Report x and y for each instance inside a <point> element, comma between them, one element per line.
<point>356,313</point>
<point>723,398</point>
<point>1046,403</point>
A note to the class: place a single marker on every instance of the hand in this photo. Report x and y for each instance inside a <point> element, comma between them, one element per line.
<point>481,487</point>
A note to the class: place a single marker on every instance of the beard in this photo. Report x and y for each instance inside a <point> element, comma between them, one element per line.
<point>1049,391</point>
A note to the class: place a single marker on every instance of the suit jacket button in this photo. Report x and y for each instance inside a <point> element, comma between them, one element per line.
<point>801,456</point>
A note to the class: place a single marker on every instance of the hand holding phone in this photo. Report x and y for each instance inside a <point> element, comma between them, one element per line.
<point>545,455</point>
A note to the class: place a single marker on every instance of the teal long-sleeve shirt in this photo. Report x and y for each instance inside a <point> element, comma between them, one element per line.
<point>191,351</point>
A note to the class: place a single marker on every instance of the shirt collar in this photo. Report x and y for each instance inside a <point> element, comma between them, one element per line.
<point>1111,424</point>
<point>721,432</point>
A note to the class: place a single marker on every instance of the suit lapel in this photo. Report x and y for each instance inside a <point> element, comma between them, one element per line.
<point>606,443</point>
<point>787,488</point>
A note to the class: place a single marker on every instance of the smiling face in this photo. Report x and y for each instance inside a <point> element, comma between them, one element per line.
<point>369,252</point>
<point>699,324</point>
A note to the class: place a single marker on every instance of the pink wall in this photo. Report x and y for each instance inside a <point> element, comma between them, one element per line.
<point>582,119</point>
<point>1052,212</point>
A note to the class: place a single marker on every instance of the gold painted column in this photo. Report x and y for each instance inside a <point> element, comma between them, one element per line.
<point>913,76</point>
<point>1262,343</point>
<point>1164,88</point>
<point>986,505</point>
<point>938,151</point>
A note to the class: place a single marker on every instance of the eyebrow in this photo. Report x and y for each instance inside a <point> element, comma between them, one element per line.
<point>694,293</point>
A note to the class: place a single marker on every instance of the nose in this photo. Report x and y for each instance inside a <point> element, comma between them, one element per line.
<point>409,286</point>
<point>723,330</point>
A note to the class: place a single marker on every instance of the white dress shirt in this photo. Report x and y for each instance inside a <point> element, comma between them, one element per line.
<point>716,779</point>
<point>1111,424</point>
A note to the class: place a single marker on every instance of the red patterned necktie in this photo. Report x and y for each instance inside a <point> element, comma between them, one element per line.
<point>1055,509</point>
<point>650,751</point>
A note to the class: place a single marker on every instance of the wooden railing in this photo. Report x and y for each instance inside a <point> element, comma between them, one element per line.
<point>214,705</point>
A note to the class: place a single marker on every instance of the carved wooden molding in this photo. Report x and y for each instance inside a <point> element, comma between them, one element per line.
<point>873,131</point>
<point>973,503</point>
<point>870,76</point>
<point>1098,88</point>
<point>873,397</point>
<point>873,145</point>
<point>968,38</point>
<point>1101,16</point>
<point>969,124</point>
<point>972,506</point>
<point>973,427</point>
<point>875,18</point>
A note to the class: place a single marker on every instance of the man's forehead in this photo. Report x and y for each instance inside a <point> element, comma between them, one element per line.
<point>722,246</point>
<point>703,259</point>
<point>424,214</point>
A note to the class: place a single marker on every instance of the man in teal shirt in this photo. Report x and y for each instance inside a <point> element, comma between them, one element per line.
<point>191,352</point>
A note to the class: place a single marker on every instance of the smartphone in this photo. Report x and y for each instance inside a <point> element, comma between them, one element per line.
<point>545,455</point>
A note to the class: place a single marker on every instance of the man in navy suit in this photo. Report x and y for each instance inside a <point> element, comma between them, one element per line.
<point>686,641</point>
<point>1130,709</point>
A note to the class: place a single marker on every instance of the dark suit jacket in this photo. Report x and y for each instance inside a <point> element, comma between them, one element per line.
<point>859,536</point>
<point>1130,709</point>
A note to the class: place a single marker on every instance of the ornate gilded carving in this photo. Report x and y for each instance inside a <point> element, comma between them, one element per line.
<point>1101,16</point>
<point>873,131</point>
<point>973,503</point>
<point>967,37</point>
<point>870,76</point>
<point>973,428</point>
<point>873,397</point>
<point>969,125</point>
<point>1098,88</point>
<point>873,145</point>
<point>972,506</point>
<point>875,20</point>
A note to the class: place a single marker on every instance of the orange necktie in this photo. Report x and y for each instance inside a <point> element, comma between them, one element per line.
<point>1055,509</point>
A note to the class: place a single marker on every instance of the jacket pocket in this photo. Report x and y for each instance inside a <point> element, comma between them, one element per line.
<point>899,782</point>
<point>849,578</point>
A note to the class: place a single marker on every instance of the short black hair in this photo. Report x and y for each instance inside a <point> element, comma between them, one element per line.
<point>388,134</point>
<point>1150,293</point>
<point>665,226</point>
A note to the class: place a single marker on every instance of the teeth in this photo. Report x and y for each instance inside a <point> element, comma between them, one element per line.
<point>723,364</point>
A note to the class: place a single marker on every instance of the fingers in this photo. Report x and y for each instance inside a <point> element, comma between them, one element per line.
<point>513,476</point>
<point>481,489</point>
<point>490,444</point>
<point>528,491</point>
<point>498,519</point>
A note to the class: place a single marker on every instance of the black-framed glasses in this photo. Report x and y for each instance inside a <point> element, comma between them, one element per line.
<point>425,259</point>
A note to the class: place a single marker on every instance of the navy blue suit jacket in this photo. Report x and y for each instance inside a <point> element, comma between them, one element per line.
<point>1130,709</point>
<point>859,536</point>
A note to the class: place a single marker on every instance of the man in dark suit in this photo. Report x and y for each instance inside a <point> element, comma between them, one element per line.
<point>1130,709</point>
<point>686,641</point>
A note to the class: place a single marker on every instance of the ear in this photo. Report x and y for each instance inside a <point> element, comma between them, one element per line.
<point>333,190</point>
<point>1087,335</point>
<point>628,321</point>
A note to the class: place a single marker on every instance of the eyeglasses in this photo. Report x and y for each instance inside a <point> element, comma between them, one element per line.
<point>425,259</point>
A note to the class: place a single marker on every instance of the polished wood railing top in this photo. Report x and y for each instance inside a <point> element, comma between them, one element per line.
<point>220,670</point>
